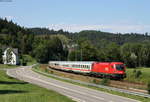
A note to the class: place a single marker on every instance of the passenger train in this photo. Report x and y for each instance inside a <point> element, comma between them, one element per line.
<point>100,69</point>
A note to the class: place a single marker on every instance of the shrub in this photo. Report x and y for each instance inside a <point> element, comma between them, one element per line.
<point>46,70</point>
<point>105,81</point>
<point>138,74</point>
<point>134,71</point>
<point>95,81</point>
<point>24,62</point>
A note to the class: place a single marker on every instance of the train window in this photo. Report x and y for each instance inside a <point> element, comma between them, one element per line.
<point>119,66</point>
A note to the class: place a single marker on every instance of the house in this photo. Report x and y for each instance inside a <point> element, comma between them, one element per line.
<point>10,56</point>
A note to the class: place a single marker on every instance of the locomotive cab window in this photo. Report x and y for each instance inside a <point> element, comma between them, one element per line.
<point>119,66</point>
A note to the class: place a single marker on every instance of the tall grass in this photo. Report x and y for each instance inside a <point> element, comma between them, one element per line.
<point>143,78</point>
<point>7,66</point>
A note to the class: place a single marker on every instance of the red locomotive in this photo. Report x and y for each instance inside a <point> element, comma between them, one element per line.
<point>102,69</point>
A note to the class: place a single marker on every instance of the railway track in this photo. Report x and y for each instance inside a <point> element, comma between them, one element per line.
<point>123,84</point>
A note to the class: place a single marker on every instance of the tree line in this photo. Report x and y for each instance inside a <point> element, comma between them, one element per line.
<point>43,44</point>
<point>132,54</point>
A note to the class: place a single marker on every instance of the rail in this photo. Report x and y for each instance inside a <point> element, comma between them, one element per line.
<point>99,86</point>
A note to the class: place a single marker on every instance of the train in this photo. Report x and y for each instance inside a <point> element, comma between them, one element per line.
<point>101,69</point>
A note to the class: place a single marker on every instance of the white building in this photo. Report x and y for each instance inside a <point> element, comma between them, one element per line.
<point>10,56</point>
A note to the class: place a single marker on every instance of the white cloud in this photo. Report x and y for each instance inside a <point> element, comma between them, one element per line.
<point>108,28</point>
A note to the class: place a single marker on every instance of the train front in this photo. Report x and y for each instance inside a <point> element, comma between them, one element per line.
<point>119,70</point>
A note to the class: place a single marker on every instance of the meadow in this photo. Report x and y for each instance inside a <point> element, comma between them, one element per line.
<point>143,78</point>
<point>12,90</point>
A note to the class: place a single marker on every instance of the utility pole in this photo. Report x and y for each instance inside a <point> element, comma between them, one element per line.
<point>81,55</point>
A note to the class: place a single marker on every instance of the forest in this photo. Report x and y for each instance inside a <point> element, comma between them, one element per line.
<point>47,44</point>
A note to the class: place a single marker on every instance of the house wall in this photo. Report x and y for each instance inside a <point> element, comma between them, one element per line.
<point>14,61</point>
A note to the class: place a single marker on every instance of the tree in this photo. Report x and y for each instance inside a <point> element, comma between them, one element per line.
<point>1,60</point>
<point>4,31</point>
<point>145,54</point>
<point>130,54</point>
<point>85,52</point>
<point>112,52</point>
<point>49,49</point>
<point>9,55</point>
<point>41,53</point>
<point>133,58</point>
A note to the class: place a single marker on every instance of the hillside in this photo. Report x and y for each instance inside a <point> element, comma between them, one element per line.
<point>99,38</point>
<point>44,45</point>
<point>96,37</point>
<point>15,36</point>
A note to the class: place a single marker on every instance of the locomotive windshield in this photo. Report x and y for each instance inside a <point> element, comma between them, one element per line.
<point>119,66</point>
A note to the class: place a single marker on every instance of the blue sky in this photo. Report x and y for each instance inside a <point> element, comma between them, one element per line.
<point>76,15</point>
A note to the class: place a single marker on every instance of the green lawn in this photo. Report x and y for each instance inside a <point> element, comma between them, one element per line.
<point>143,78</point>
<point>12,90</point>
<point>7,66</point>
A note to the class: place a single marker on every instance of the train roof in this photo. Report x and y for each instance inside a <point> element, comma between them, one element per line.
<point>73,62</point>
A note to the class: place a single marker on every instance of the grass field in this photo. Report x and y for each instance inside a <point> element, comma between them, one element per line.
<point>142,99</point>
<point>7,66</point>
<point>12,90</point>
<point>143,78</point>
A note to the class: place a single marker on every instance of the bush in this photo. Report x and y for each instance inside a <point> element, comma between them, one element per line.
<point>138,74</point>
<point>24,62</point>
<point>46,70</point>
<point>134,71</point>
<point>105,81</point>
<point>95,81</point>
